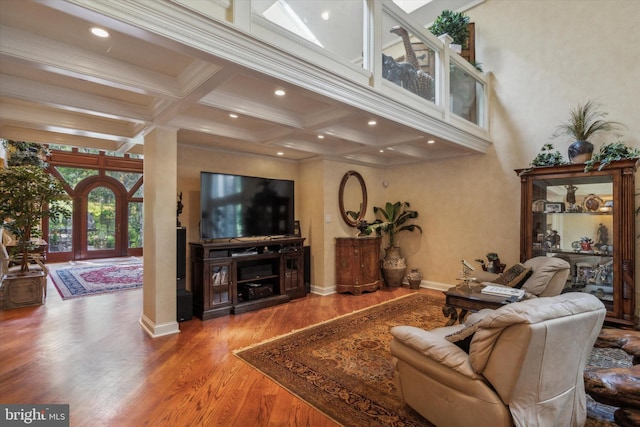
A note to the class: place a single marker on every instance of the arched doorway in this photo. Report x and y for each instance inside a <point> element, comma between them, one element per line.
<point>100,205</point>
<point>106,194</point>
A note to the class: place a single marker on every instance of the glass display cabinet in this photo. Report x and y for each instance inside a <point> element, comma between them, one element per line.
<point>588,219</point>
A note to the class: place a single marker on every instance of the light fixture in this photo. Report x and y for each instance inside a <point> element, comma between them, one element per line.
<point>280,92</point>
<point>320,136</point>
<point>233,115</point>
<point>372,123</point>
<point>381,150</point>
<point>99,32</point>
<point>280,153</point>
<point>431,141</point>
<point>325,15</point>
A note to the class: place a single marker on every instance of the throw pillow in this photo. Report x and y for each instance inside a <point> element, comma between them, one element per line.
<point>514,277</point>
<point>463,337</point>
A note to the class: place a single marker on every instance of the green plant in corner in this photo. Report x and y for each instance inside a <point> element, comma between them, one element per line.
<point>456,24</point>
<point>610,153</point>
<point>28,194</point>
<point>394,220</point>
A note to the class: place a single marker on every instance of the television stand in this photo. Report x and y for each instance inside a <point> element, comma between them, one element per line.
<point>241,276</point>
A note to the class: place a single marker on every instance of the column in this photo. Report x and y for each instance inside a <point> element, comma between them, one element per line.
<point>160,183</point>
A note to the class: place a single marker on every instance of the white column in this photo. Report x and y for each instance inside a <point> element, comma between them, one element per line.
<point>160,183</point>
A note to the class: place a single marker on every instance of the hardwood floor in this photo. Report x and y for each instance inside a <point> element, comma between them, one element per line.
<point>92,354</point>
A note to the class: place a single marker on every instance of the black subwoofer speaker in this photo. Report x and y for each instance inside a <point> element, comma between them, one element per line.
<point>181,258</point>
<point>185,305</point>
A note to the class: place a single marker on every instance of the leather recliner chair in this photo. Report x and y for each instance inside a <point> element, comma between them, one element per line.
<point>524,367</point>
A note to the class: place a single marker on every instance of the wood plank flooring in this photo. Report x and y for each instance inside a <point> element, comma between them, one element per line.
<point>92,354</point>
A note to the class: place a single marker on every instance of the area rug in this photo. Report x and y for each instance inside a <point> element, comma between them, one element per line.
<point>343,367</point>
<point>99,278</point>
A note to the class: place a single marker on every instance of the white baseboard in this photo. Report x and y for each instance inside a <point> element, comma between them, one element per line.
<point>160,330</point>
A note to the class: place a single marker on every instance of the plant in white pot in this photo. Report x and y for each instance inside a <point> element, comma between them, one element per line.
<point>585,121</point>
<point>28,194</point>
<point>455,24</point>
<point>394,219</point>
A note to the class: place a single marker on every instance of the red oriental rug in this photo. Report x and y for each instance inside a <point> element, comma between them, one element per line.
<point>93,279</point>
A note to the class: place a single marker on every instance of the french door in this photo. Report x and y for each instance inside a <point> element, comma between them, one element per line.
<point>101,204</point>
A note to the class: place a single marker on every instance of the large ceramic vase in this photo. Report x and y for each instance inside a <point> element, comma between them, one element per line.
<point>580,151</point>
<point>393,267</point>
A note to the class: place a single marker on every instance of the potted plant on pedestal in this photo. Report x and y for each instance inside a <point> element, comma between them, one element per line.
<point>28,194</point>
<point>394,220</point>
<point>585,120</point>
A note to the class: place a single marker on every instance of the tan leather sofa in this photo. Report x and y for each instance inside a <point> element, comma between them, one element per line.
<point>549,276</point>
<point>524,367</point>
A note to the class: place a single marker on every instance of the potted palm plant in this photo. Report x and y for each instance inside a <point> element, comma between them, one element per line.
<point>28,194</point>
<point>585,120</point>
<point>394,219</point>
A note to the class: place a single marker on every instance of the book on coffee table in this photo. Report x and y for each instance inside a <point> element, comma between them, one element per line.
<point>502,291</point>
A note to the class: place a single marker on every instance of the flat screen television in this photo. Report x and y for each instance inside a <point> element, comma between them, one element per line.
<point>233,206</point>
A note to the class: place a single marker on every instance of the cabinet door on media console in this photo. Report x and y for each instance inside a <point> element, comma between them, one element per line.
<point>220,283</point>
<point>292,274</point>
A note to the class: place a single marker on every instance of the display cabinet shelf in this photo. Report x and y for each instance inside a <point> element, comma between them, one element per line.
<point>587,218</point>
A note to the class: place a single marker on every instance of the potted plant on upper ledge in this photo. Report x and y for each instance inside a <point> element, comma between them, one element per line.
<point>28,194</point>
<point>455,24</point>
<point>394,220</point>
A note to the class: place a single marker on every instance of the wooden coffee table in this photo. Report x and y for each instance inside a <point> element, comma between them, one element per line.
<point>467,298</point>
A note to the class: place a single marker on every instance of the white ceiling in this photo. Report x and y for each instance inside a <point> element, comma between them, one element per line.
<point>60,85</point>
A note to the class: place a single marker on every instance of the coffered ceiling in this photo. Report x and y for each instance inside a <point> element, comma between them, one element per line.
<point>60,84</point>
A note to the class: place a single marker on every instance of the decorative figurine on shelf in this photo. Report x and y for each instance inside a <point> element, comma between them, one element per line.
<point>602,235</point>
<point>571,195</point>
<point>179,210</point>
<point>552,240</point>
<point>585,244</point>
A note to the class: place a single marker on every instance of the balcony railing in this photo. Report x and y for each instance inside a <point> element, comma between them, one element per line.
<point>371,42</point>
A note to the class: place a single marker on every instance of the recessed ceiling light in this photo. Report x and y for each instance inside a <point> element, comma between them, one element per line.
<point>381,150</point>
<point>99,32</point>
<point>431,141</point>
<point>280,153</point>
<point>325,15</point>
<point>233,116</point>
<point>372,123</point>
<point>280,92</point>
<point>320,136</point>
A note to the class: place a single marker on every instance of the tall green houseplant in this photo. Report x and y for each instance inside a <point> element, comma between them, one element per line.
<point>28,194</point>
<point>394,220</point>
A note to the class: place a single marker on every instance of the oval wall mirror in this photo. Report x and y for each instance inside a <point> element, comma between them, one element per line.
<point>352,198</point>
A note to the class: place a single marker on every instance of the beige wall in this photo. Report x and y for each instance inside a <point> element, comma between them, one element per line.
<point>544,57</point>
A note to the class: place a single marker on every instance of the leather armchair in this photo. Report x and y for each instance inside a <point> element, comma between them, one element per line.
<point>524,367</point>
<point>548,279</point>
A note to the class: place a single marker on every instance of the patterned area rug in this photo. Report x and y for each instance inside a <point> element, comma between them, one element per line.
<point>97,278</point>
<point>343,367</point>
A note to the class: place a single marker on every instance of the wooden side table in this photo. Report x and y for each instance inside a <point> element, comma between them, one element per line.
<point>465,299</point>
